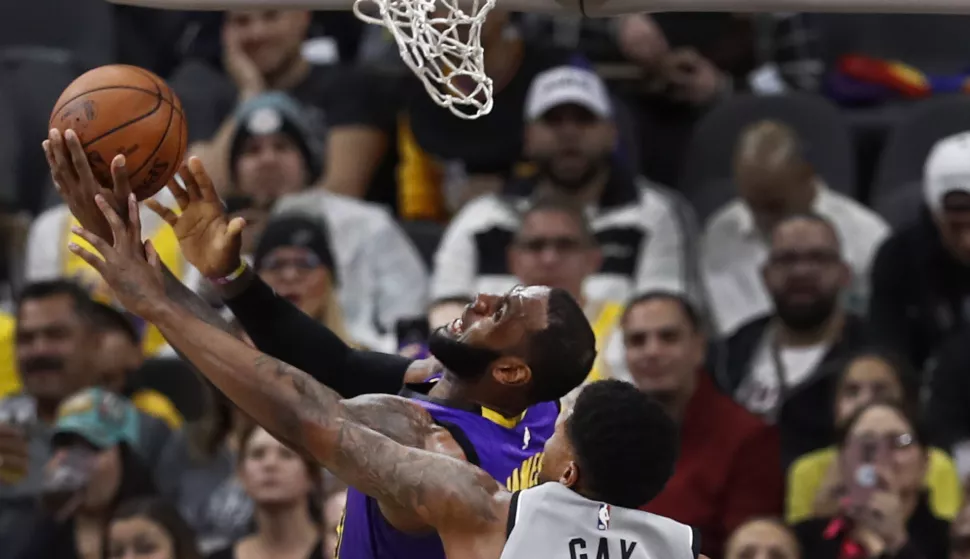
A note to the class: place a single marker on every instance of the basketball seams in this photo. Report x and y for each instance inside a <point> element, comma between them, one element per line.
<point>126,124</point>
<point>161,139</point>
<point>107,87</point>
<point>122,101</point>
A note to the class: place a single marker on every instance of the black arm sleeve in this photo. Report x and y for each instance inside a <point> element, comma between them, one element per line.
<point>283,331</point>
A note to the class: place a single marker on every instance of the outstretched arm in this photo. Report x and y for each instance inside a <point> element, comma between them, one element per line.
<point>442,492</point>
<point>439,490</point>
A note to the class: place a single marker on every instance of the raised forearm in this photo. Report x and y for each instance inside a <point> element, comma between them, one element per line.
<point>280,329</point>
<point>279,397</point>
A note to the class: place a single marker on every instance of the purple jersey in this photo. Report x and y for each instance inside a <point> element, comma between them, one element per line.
<point>510,453</point>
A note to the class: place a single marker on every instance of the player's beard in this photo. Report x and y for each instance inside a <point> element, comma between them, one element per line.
<point>463,360</point>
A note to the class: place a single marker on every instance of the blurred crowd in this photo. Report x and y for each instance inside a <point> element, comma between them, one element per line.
<point>766,218</point>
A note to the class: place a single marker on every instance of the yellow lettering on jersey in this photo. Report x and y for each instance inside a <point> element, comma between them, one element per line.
<point>340,533</point>
<point>526,475</point>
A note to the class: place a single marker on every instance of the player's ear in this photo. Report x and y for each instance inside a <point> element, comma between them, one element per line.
<point>570,476</point>
<point>511,371</point>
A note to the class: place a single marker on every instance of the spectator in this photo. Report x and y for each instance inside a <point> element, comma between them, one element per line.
<point>782,366</point>
<point>197,472</point>
<point>729,468</point>
<point>294,258</point>
<point>93,468</point>
<point>814,480</point>
<point>447,161</point>
<point>117,360</point>
<point>149,527</point>
<point>283,487</point>
<point>554,246</point>
<point>762,538</point>
<point>380,274</point>
<point>333,518</point>
<point>921,277</point>
<point>643,230</point>
<point>893,521</point>
<point>272,151</point>
<point>691,61</point>
<point>776,181</point>
<point>56,348</point>
<point>261,52</point>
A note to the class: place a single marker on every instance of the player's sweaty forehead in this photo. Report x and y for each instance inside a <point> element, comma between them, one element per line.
<point>530,305</point>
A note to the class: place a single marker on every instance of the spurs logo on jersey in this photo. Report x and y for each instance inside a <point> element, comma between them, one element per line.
<point>526,475</point>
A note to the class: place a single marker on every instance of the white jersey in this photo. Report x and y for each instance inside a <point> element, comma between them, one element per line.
<point>552,521</point>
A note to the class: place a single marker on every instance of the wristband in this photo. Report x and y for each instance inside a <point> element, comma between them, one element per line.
<point>232,276</point>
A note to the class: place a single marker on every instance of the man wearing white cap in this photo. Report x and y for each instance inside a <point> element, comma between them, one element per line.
<point>921,276</point>
<point>645,231</point>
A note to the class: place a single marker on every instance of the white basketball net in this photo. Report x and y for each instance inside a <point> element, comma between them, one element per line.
<point>442,44</point>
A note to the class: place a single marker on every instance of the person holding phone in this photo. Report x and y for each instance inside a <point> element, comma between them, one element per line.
<point>883,508</point>
<point>93,467</point>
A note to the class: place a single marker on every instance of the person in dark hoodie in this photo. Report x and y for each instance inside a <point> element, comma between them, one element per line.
<point>921,275</point>
<point>782,366</point>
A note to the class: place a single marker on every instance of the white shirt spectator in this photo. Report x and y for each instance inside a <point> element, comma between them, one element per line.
<point>733,251</point>
<point>647,235</point>
<point>380,276</point>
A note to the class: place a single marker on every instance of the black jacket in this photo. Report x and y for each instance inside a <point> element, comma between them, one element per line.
<point>919,292</point>
<point>806,416</point>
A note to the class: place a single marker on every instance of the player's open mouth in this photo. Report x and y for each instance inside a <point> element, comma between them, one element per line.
<point>457,327</point>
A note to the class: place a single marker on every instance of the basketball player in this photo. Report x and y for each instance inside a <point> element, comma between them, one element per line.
<point>611,453</point>
<point>505,354</point>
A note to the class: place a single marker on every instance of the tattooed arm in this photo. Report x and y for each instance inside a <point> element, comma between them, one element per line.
<point>443,492</point>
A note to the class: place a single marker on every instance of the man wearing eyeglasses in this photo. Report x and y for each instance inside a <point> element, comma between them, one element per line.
<point>782,365</point>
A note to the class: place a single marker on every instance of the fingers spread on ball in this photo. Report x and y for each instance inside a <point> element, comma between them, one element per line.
<point>119,176</point>
<point>79,159</point>
<point>61,157</point>
<point>55,175</point>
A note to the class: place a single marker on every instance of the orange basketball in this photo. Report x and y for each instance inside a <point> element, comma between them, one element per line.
<point>126,110</point>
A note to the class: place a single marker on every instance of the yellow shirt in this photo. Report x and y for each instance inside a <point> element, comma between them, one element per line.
<point>604,317</point>
<point>9,378</point>
<point>806,474</point>
<point>156,404</point>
